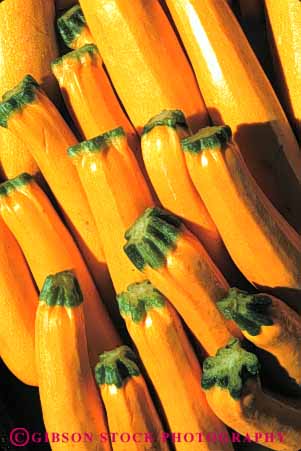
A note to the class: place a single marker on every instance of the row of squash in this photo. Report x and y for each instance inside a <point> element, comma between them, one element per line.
<point>160,265</point>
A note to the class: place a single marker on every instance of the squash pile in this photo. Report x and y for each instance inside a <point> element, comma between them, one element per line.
<point>150,260</point>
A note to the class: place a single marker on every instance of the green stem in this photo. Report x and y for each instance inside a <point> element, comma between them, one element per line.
<point>116,366</point>
<point>61,289</point>
<point>138,299</point>
<point>151,237</point>
<point>231,367</point>
<point>249,311</point>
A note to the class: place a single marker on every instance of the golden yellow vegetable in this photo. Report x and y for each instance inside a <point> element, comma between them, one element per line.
<point>233,391</point>
<point>144,59</point>
<point>283,19</point>
<point>171,257</point>
<point>268,323</point>
<point>89,95</point>
<point>19,302</point>
<point>166,168</point>
<point>49,248</point>
<point>171,364</point>
<point>28,45</point>
<point>30,115</point>
<point>69,398</point>
<point>117,193</point>
<point>237,92</point>
<point>261,243</point>
<point>127,401</point>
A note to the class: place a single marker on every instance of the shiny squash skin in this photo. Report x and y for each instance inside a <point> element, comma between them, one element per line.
<point>237,92</point>
<point>128,403</point>
<point>69,397</point>
<point>261,243</point>
<point>19,302</point>
<point>34,28</point>
<point>39,124</point>
<point>177,264</point>
<point>257,413</point>
<point>231,381</point>
<point>269,324</point>
<point>49,248</point>
<point>140,51</point>
<point>284,19</point>
<point>170,362</point>
<point>89,95</point>
<point>117,193</point>
<point>166,168</point>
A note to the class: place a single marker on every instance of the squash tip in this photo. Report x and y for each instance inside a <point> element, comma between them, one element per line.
<point>96,144</point>
<point>61,289</point>
<point>70,24</point>
<point>169,118</point>
<point>12,184</point>
<point>230,368</point>
<point>138,299</point>
<point>87,50</point>
<point>150,238</point>
<point>249,311</point>
<point>207,138</point>
<point>116,366</point>
<point>17,98</point>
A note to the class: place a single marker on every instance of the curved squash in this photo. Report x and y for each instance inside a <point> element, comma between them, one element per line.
<point>74,29</point>
<point>89,95</point>
<point>19,302</point>
<point>166,168</point>
<point>237,92</point>
<point>233,391</point>
<point>177,264</point>
<point>268,323</point>
<point>284,26</point>
<point>170,362</point>
<point>30,216</point>
<point>117,193</point>
<point>261,243</point>
<point>127,401</point>
<point>29,114</point>
<point>140,51</point>
<point>68,393</point>
<point>34,28</point>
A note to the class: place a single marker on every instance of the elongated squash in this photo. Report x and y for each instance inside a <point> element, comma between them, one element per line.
<point>261,243</point>
<point>284,32</point>
<point>233,391</point>
<point>30,115</point>
<point>268,323</point>
<point>28,44</point>
<point>19,302</point>
<point>166,167</point>
<point>89,95</point>
<point>68,394</point>
<point>127,401</point>
<point>117,193</point>
<point>171,257</point>
<point>30,216</point>
<point>237,92</point>
<point>170,362</point>
<point>140,51</point>
<point>73,28</point>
